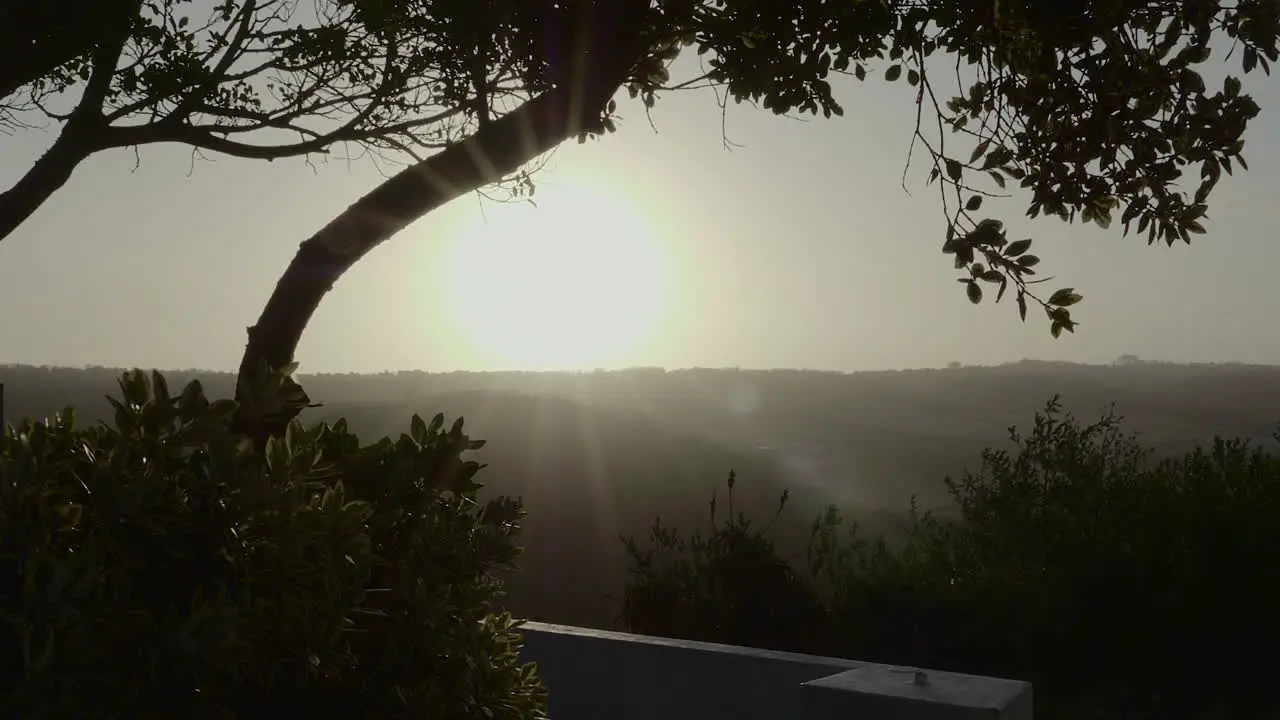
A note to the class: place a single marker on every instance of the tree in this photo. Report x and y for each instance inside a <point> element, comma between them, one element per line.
<point>250,78</point>
<point>1095,107</point>
<point>41,35</point>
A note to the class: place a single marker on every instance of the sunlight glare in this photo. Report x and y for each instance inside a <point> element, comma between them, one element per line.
<point>581,281</point>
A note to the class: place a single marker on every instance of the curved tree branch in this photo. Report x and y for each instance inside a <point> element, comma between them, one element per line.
<point>495,151</point>
<point>77,141</point>
<point>206,137</point>
<point>83,135</point>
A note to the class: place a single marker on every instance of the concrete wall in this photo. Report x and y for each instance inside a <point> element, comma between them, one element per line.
<point>594,674</point>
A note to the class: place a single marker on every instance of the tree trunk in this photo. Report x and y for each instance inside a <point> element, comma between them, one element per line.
<point>76,142</point>
<point>86,130</point>
<point>496,150</point>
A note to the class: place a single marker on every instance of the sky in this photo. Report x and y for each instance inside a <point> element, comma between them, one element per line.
<point>654,246</point>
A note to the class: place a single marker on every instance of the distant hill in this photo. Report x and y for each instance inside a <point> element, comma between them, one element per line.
<point>599,454</point>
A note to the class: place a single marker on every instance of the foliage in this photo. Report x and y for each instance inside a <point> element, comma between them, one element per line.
<point>41,35</point>
<point>730,583</point>
<point>160,567</point>
<point>269,79</point>
<point>1053,102</point>
<point>1120,586</point>
<point>1098,108</point>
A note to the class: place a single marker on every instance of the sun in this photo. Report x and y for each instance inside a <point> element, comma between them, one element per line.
<point>582,280</point>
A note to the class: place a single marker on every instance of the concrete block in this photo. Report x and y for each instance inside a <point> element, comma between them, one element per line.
<point>885,691</point>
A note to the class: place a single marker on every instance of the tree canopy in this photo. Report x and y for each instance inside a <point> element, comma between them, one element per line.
<point>1094,110</point>
<point>259,79</point>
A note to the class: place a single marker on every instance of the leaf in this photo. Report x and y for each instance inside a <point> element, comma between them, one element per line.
<point>1027,261</point>
<point>1017,247</point>
<point>979,151</point>
<point>988,233</point>
<point>160,387</point>
<point>222,409</point>
<point>278,460</point>
<point>893,73</point>
<point>974,292</point>
<point>1192,80</point>
<point>974,203</point>
<point>953,169</point>
<point>1064,297</point>
<point>70,513</point>
<point>192,401</point>
<point>1022,305</point>
<point>38,656</point>
<point>913,78</point>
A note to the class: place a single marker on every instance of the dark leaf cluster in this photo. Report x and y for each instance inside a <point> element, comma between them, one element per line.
<point>161,566</point>
<point>1114,581</point>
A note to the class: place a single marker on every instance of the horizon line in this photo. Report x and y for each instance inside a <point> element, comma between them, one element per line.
<point>658,369</point>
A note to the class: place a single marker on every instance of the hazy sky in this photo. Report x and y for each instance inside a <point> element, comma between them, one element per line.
<point>648,248</point>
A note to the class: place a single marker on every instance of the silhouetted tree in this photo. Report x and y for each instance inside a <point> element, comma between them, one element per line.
<point>1095,108</point>
<point>38,36</point>
<point>259,79</point>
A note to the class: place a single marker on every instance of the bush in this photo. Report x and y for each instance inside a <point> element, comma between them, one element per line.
<point>729,584</point>
<point>1119,585</point>
<point>161,567</point>
<point>1100,573</point>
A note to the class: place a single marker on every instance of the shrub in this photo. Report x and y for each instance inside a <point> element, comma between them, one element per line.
<point>728,584</point>
<point>162,567</point>
<point>1097,572</point>
<point>1121,586</point>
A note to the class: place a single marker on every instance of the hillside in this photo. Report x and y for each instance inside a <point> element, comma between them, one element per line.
<point>600,454</point>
